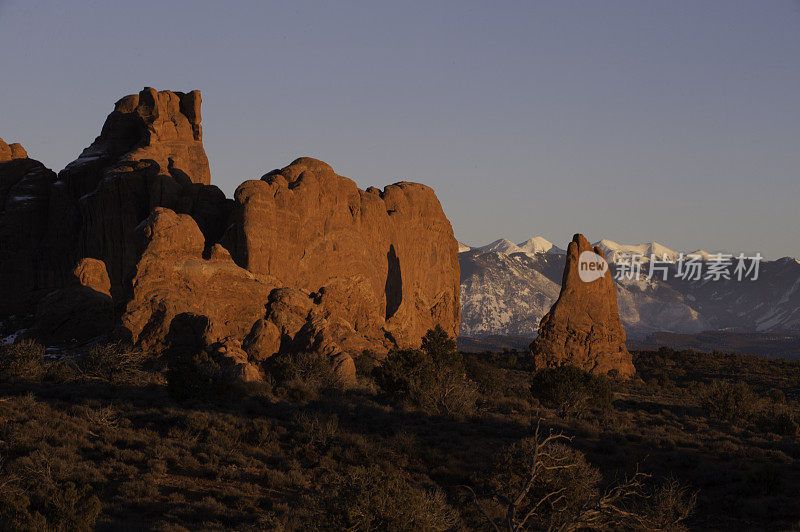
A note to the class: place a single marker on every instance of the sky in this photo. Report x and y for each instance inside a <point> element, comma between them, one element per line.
<point>671,121</point>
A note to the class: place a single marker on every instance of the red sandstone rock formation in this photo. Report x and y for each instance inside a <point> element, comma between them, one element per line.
<point>309,262</point>
<point>583,327</point>
<point>173,278</point>
<point>149,154</point>
<point>386,259</point>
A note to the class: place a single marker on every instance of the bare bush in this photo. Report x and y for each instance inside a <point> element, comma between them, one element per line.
<point>543,484</point>
<point>117,363</point>
<point>317,429</point>
<point>23,359</point>
<point>303,376</point>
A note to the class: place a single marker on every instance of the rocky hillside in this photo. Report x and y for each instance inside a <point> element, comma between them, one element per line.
<point>507,293</point>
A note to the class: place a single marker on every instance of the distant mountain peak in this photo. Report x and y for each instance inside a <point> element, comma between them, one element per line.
<point>539,244</point>
<point>502,245</point>
<point>532,246</point>
<point>614,250</point>
<point>463,247</point>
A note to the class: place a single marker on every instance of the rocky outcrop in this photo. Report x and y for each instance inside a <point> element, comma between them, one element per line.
<point>583,327</point>
<point>9,152</point>
<point>386,260</point>
<point>235,364</point>
<point>301,260</point>
<point>173,278</point>
<point>149,154</point>
<point>80,311</point>
<point>25,272</point>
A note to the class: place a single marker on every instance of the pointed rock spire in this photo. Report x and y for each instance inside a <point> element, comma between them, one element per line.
<point>583,327</point>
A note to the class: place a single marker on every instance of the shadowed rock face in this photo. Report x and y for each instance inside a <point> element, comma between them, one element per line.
<point>25,185</point>
<point>81,310</point>
<point>583,327</point>
<point>149,154</point>
<point>300,260</point>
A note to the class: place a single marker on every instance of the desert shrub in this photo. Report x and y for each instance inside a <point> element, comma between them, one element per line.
<point>560,470</point>
<point>15,511</point>
<point>374,498</point>
<point>571,389</point>
<point>23,359</point>
<point>776,396</point>
<point>728,401</point>
<point>195,376</point>
<point>402,371</point>
<point>778,419</point>
<point>64,507</point>
<point>303,376</point>
<point>432,378</point>
<point>451,393</point>
<point>117,363</point>
<point>490,380</point>
<point>315,428</point>
<point>72,508</point>
<point>667,506</point>
<point>442,350</point>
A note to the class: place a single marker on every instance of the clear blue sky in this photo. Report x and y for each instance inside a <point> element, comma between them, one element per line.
<point>673,121</point>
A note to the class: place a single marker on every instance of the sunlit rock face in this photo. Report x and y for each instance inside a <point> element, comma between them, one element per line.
<point>583,327</point>
<point>301,259</point>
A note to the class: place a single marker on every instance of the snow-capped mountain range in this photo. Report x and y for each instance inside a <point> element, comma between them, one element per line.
<point>506,288</point>
<point>533,246</point>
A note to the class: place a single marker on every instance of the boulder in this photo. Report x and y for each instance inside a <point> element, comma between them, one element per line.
<point>244,373</point>
<point>234,363</point>
<point>80,311</point>
<point>344,368</point>
<point>583,327</point>
<point>10,152</point>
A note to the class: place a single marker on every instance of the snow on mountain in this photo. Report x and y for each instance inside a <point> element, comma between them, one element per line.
<point>508,291</point>
<point>532,246</point>
<point>505,294</point>
<point>540,244</point>
<point>703,254</point>
<point>463,247</point>
<point>615,251</point>
<point>503,245</point>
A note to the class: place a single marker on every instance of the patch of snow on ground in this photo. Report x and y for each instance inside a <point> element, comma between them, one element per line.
<point>11,338</point>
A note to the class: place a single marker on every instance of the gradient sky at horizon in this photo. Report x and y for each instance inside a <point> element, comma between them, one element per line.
<point>674,121</point>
